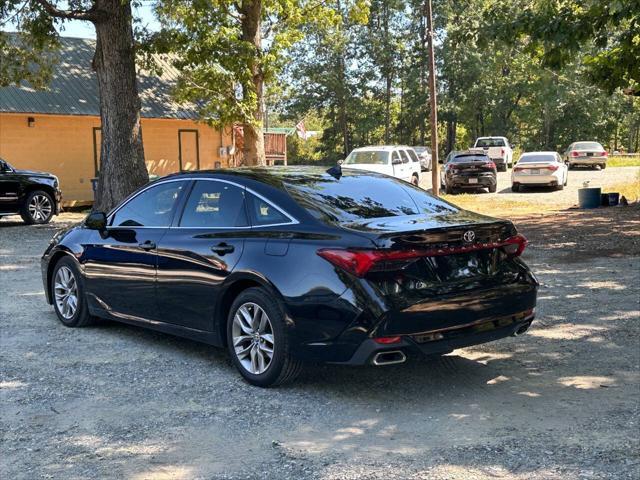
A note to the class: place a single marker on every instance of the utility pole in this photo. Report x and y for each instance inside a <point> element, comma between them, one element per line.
<point>435,177</point>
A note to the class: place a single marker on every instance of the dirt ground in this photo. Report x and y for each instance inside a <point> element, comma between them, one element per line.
<point>115,401</point>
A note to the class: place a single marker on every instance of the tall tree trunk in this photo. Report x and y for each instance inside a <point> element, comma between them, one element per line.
<point>388,68</point>
<point>122,167</point>
<point>251,11</point>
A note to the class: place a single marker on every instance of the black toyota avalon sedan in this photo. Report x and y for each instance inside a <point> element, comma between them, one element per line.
<point>290,265</point>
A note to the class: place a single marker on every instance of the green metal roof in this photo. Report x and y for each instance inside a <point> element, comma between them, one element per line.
<point>73,89</point>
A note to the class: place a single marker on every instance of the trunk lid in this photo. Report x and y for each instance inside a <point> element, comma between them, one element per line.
<point>421,231</point>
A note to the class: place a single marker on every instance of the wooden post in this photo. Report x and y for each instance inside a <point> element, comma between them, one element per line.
<point>435,177</point>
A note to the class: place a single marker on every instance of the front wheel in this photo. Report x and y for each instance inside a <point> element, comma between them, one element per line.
<point>67,291</point>
<point>38,208</point>
<point>257,340</point>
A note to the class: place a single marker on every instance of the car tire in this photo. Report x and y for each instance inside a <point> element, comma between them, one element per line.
<point>67,294</point>
<point>603,166</point>
<point>560,186</point>
<point>515,187</point>
<point>566,180</point>
<point>38,208</point>
<point>256,324</point>
<point>414,180</point>
<point>493,188</point>
<point>502,168</point>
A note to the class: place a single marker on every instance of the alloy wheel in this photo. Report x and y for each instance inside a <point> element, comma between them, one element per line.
<point>252,335</point>
<point>66,292</point>
<point>40,208</point>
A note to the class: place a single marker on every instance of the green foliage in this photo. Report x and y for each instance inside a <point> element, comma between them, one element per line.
<point>219,65</point>
<point>493,77</point>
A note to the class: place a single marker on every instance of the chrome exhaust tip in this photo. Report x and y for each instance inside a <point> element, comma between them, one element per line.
<point>389,358</point>
<point>522,329</point>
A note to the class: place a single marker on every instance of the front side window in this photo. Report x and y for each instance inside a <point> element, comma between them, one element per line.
<point>215,204</point>
<point>263,213</point>
<point>405,157</point>
<point>152,208</point>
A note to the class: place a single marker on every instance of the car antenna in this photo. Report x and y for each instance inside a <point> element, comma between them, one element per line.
<point>336,170</point>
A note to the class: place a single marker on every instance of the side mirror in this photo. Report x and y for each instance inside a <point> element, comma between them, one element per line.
<point>97,221</point>
<point>396,162</point>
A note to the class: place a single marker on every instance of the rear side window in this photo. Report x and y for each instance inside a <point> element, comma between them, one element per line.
<point>357,198</point>
<point>263,213</point>
<point>152,208</point>
<point>405,157</point>
<point>216,205</point>
<point>413,155</point>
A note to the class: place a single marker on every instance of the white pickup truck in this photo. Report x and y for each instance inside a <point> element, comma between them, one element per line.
<point>497,149</point>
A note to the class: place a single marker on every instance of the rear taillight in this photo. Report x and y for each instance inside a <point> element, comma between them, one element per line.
<point>518,169</point>
<point>553,168</point>
<point>515,245</point>
<point>574,153</point>
<point>604,154</point>
<point>490,165</point>
<point>387,340</point>
<point>502,152</point>
<point>361,262</point>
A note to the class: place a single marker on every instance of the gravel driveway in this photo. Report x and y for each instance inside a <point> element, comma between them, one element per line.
<point>565,198</point>
<point>115,401</point>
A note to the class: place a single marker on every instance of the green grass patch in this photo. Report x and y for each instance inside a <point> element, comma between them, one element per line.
<point>623,161</point>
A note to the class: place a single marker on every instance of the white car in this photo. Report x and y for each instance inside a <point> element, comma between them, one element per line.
<point>424,154</point>
<point>587,154</point>
<point>397,161</point>
<point>497,149</point>
<point>539,168</point>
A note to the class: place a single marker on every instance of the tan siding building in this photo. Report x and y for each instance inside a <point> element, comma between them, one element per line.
<point>58,130</point>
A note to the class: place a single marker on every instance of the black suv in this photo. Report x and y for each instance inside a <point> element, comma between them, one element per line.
<point>469,170</point>
<point>34,195</point>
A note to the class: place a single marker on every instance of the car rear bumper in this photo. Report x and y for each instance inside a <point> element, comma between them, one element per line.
<point>430,323</point>
<point>444,341</point>
<point>587,160</point>
<point>463,181</point>
<point>535,179</point>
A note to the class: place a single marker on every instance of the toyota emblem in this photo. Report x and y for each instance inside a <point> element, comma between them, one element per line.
<point>469,236</point>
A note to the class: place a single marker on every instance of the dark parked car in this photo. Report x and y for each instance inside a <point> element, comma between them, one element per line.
<point>469,171</point>
<point>287,265</point>
<point>34,195</point>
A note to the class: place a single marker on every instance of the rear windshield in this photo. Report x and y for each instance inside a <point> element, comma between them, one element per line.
<point>538,158</point>
<point>490,142</point>
<point>469,158</point>
<point>588,146</point>
<point>368,157</point>
<point>357,198</point>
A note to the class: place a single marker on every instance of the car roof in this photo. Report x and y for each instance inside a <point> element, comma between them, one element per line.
<point>549,152</point>
<point>486,138</point>
<point>384,148</point>
<point>271,175</point>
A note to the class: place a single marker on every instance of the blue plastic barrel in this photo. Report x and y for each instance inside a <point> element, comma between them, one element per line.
<point>589,197</point>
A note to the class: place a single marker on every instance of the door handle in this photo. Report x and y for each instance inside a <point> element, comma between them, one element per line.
<point>148,245</point>
<point>222,248</point>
